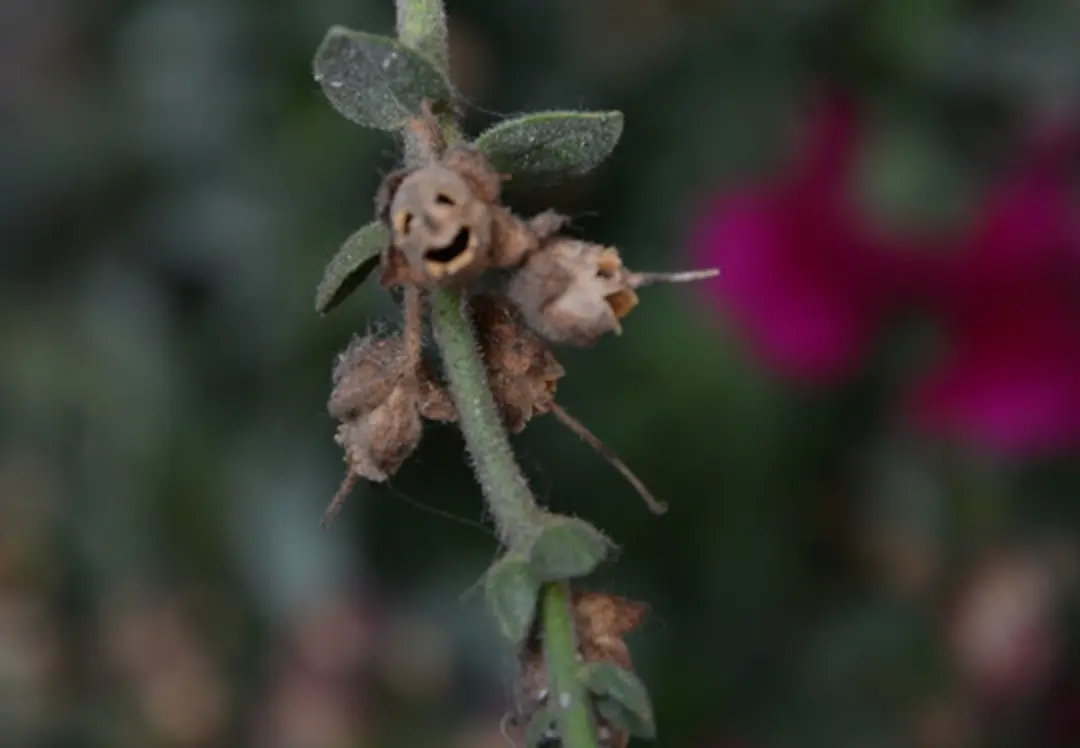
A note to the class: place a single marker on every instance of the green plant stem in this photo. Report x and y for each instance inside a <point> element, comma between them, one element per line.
<point>560,653</point>
<point>421,24</point>
<point>517,517</point>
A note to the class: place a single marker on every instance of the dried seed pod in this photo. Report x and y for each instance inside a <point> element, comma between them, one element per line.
<point>364,375</point>
<point>601,622</point>
<point>522,370</point>
<point>448,224</point>
<point>381,392</point>
<point>573,292</point>
<point>440,225</point>
<point>523,374</point>
<point>378,443</point>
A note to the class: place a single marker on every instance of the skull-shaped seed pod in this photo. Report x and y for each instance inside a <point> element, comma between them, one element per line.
<point>440,226</point>
<point>380,398</point>
<point>448,225</point>
<point>522,371</point>
<point>573,292</point>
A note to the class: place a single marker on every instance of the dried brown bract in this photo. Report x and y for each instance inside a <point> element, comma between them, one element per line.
<point>381,393</point>
<point>448,223</point>
<point>523,374</point>
<point>573,292</point>
<point>522,370</point>
<point>601,621</point>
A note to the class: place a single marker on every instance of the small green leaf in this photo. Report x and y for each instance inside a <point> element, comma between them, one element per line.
<point>511,591</point>
<point>621,698</point>
<point>376,81</point>
<point>351,265</point>
<point>541,730</point>
<point>567,548</point>
<point>551,145</point>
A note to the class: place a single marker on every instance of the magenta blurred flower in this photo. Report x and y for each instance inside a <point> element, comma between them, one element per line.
<point>802,275</point>
<point>1010,305</point>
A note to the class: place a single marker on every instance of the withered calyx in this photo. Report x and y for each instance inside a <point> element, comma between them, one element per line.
<point>380,396</point>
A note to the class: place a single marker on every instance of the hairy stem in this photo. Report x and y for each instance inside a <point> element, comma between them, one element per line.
<point>421,24</point>
<point>516,515</point>
<point>560,653</point>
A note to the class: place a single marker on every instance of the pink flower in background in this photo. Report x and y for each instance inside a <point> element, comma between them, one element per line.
<point>1010,305</point>
<point>808,282</point>
<point>801,274</point>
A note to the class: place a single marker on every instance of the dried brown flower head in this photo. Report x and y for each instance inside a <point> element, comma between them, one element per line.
<point>447,221</point>
<point>440,225</point>
<point>522,370</point>
<point>573,292</point>
<point>601,621</point>
<point>381,392</point>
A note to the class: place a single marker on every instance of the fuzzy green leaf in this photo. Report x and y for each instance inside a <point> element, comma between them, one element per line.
<point>621,698</point>
<point>511,591</point>
<point>542,727</point>
<point>376,81</point>
<point>567,548</point>
<point>551,145</point>
<point>352,264</point>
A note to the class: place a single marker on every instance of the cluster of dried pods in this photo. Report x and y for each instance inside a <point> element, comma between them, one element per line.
<point>530,287</point>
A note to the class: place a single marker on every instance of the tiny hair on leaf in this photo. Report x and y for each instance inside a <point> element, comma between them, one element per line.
<point>351,265</point>
<point>551,145</point>
<point>376,81</point>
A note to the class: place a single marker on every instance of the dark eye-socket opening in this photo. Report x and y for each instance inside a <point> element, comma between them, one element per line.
<point>452,250</point>
<point>443,199</point>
